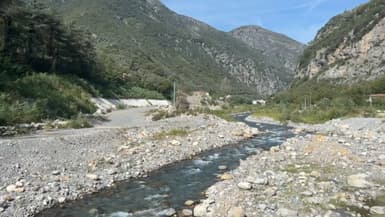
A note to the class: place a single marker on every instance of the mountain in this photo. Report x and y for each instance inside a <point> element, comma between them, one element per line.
<point>350,48</point>
<point>281,50</point>
<point>144,41</point>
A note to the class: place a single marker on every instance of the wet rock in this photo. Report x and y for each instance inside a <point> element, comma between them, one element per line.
<point>245,185</point>
<point>378,210</point>
<point>236,212</point>
<point>93,211</point>
<point>187,212</point>
<point>226,176</point>
<point>167,212</point>
<point>189,203</point>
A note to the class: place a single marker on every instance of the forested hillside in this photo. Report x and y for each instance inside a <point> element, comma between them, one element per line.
<point>147,42</point>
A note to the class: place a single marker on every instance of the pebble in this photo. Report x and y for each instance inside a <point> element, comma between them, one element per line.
<point>61,199</point>
<point>283,212</point>
<point>187,212</point>
<point>175,143</point>
<point>358,181</point>
<point>189,203</point>
<point>222,167</point>
<point>11,188</point>
<point>245,185</point>
<point>236,212</point>
<point>56,172</point>
<point>200,210</point>
<point>378,210</point>
<point>270,192</point>
<point>93,177</point>
<point>226,176</point>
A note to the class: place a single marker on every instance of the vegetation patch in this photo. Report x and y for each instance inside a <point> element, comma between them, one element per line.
<point>171,134</point>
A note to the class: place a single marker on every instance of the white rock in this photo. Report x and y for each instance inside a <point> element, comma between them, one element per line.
<point>358,181</point>
<point>189,203</point>
<point>236,212</point>
<point>378,210</point>
<point>175,142</point>
<point>11,188</point>
<point>61,199</point>
<point>19,184</point>
<point>244,185</point>
<point>200,210</point>
<point>56,173</point>
<point>93,177</point>
<point>286,212</point>
<point>222,167</point>
<point>187,212</point>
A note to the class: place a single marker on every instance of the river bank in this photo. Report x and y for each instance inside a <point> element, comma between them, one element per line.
<point>337,171</point>
<point>38,173</point>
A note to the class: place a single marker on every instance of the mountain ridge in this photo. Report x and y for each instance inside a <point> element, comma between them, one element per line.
<point>279,48</point>
<point>349,48</point>
<point>182,48</point>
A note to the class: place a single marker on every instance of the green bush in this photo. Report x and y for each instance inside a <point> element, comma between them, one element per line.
<point>35,97</point>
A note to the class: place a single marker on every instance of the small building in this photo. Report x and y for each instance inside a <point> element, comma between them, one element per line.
<point>375,96</point>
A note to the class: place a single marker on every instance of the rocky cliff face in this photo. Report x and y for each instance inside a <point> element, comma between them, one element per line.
<point>280,49</point>
<point>132,34</point>
<point>350,48</point>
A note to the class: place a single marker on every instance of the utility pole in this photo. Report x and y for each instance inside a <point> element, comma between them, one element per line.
<point>174,95</point>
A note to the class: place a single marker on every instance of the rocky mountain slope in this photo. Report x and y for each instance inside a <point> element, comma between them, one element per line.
<point>350,48</point>
<point>145,39</point>
<point>280,49</point>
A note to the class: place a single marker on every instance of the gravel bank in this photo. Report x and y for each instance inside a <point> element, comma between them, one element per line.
<point>37,173</point>
<point>337,171</point>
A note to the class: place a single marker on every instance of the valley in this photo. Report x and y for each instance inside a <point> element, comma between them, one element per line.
<point>125,108</point>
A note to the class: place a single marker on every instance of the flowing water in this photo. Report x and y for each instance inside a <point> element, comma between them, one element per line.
<point>170,187</point>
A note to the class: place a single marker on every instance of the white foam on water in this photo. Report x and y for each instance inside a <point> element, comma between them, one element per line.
<point>250,149</point>
<point>192,171</point>
<point>121,214</point>
<point>202,162</point>
<point>156,196</point>
<point>214,156</point>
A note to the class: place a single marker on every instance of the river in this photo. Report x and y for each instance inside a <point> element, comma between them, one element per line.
<point>166,190</point>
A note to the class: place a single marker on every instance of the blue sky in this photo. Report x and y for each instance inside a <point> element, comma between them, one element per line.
<point>299,19</point>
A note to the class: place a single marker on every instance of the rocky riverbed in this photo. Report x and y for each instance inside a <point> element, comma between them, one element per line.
<point>37,173</point>
<point>337,170</point>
